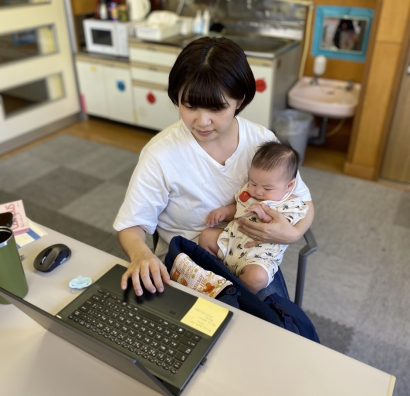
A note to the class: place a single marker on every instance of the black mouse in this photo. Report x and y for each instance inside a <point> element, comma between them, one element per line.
<point>51,257</point>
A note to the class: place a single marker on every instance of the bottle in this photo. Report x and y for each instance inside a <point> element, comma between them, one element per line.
<point>123,15</point>
<point>114,11</point>
<point>206,21</point>
<point>198,23</point>
<point>103,11</point>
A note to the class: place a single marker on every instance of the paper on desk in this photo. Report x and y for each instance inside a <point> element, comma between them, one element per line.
<point>205,316</point>
<point>35,232</point>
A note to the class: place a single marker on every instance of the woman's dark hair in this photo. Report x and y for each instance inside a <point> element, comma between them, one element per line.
<point>272,154</point>
<point>206,70</point>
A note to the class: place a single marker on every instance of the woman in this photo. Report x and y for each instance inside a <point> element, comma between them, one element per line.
<point>197,164</point>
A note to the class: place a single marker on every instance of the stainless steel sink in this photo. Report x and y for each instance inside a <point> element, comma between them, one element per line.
<point>252,44</point>
<point>256,43</point>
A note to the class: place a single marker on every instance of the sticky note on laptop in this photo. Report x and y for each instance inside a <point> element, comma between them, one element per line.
<point>205,316</point>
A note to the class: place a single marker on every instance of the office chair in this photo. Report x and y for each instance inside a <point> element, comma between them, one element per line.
<point>309,248</point>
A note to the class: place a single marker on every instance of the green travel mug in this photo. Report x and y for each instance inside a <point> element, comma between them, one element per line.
<point>12,277</point>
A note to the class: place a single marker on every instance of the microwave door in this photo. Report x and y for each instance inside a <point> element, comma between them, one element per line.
<point>102,37</point>
<point>101,40</point>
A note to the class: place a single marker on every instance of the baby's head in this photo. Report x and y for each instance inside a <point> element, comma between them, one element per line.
<point>273,172</point>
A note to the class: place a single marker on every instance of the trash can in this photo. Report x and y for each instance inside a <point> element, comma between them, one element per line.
<point>294,127</point>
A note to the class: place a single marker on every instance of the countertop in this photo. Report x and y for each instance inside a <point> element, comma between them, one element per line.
<point>253,45</point>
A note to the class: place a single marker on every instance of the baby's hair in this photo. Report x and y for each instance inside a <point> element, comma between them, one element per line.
<point>206,70</point>
<point>273,154</point>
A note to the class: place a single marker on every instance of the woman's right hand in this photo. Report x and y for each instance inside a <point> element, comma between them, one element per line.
<point>145,269</point>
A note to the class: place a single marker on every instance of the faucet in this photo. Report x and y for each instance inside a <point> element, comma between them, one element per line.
<point>350,86</point>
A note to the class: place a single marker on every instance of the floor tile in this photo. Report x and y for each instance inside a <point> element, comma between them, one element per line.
<point>332,334</point>
<point>64,149</point>
<point>20,170</point>
<point>98,207</point>
<point>57,188</point>
<point>402,217</point>
<point>104,162</point>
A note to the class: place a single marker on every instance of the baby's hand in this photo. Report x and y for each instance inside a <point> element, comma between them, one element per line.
<point>216,217</point>
<point>262,215</point>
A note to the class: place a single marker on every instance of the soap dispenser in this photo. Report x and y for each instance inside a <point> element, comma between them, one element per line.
<point>319,68</point>
<point>198,23</point>
<point>206,22</point>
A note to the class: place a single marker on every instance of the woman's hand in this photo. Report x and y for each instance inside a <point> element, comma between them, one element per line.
<point>145,268</point>
<point>278,230</point>
<point>258,210</point>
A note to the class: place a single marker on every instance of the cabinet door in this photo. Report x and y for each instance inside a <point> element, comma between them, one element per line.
<point>150,73</point>
<point>154,54</point>
<point>260,109</point>
<point>92,89</point>
<point>153,108</point>
<point>118,91</point>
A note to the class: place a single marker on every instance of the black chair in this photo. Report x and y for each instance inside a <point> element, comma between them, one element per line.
<point>309,248</point>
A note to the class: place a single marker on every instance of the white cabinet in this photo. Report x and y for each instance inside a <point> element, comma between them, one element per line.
<point>105,88</point>
<point>150,67</point>
<point>260,109</point>
<point>136,92</point>
<point>153,108</point>
<point>274,77</point>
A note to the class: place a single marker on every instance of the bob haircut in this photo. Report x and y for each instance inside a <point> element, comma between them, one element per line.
<point>209,69</point>
<point>272,154</point>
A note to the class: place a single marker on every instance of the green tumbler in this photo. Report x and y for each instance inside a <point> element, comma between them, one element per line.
<point>12,277</point>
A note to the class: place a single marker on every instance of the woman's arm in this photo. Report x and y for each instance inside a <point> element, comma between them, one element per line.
<point>279,230</point>
<point>144,265</point>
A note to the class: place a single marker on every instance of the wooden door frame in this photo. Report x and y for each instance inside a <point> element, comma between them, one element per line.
<point>368,142</point>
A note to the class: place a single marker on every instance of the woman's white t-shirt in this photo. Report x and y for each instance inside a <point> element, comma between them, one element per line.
<point>176,183</point>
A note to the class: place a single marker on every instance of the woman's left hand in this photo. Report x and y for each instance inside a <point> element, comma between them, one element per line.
<point>278,230</point>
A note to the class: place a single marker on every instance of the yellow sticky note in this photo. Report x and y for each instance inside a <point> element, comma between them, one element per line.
<point>205,316</point>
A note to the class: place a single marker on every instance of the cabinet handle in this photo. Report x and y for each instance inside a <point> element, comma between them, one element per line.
<point>151,98</point>
<point>121,86</point>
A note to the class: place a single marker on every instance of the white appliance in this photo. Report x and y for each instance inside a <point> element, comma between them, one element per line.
<point>106,37</point>
<point>138,9</point>
<point>158,26</point>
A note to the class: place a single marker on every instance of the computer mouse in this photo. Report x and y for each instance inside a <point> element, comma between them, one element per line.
<point>51,257</point>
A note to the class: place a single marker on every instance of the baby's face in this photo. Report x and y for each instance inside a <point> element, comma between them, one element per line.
<point>268,185</point>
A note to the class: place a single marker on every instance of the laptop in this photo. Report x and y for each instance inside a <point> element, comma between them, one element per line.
<point>160,340</point>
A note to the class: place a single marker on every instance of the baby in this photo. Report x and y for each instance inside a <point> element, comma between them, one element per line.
<point>271,181</point>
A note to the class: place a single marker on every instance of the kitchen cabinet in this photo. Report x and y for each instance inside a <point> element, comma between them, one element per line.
<point>150,67</point>
<point>105,88</point>
<point>274,77</point>
<point>259,110</point>
<point>144,101</point>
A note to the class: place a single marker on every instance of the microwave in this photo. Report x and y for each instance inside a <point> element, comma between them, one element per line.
<point>106,37</point>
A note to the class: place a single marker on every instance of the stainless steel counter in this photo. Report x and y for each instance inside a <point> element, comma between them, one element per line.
<point>253,45</point>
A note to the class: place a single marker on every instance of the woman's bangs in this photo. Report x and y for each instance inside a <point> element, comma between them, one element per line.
<point>203,94</point>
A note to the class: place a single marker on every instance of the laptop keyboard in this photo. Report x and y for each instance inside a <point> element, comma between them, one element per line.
<point>148,336</point>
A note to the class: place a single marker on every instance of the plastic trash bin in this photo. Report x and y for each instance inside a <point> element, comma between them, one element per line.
<point>294,127</point>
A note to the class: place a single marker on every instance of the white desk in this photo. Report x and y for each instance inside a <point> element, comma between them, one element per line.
<point>252,357</point>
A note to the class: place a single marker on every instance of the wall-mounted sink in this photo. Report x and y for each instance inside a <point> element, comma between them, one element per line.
<point>327,98</point>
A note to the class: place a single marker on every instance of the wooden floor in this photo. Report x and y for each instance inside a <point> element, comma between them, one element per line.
<point>132,138</point>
